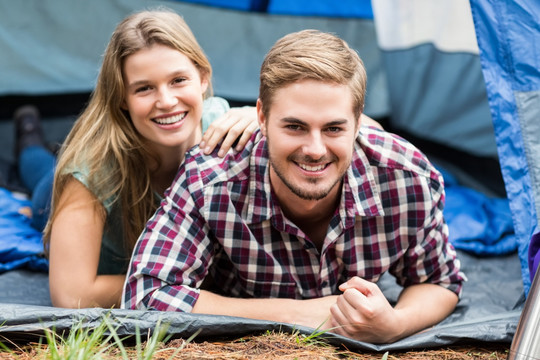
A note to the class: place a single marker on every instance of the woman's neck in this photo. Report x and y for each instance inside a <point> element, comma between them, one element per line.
<point>170,159</point>
<point>163,174</point>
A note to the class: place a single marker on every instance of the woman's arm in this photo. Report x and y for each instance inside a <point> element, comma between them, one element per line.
<point>74,253</point>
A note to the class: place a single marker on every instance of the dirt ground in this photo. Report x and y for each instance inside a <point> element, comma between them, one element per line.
<point>280,346</point>
<point>287,346</point>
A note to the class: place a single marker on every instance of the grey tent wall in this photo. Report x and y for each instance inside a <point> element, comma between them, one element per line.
<point>51,46</point>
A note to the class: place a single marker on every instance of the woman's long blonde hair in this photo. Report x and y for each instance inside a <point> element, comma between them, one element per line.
<point>103,140</point>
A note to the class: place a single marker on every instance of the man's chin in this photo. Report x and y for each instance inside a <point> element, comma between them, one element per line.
<point>310,195</point>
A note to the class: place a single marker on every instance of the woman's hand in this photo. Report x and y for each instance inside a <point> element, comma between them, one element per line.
<point>237,125</point>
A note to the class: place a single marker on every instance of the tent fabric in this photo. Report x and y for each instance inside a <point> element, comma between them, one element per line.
<point>42,51</point>
<point>435,82</point>
<point>325,8</point>
<point>488,311</point>
<point>244,5</point>
<point>511,68</point>
<point>447,24</point>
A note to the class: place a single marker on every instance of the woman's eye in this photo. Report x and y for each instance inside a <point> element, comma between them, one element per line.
<point>142,89</point>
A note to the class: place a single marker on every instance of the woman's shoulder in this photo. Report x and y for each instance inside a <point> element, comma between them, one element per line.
<point>213,108</point>
<point>82,174</point>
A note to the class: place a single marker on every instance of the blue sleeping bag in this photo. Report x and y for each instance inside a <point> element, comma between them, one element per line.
<point>20,244</point>
<point>478,224</point>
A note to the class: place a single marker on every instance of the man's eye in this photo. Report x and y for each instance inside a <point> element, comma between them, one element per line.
<point>179,80</point>
<point>334,129</point>
<point>293,127</point>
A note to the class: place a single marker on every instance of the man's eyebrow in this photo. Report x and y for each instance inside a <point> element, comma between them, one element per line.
<point>293,120</point>
<point>338,122</point>
<point>296,121</point>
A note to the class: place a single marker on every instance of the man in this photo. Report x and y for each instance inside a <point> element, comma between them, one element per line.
<point>300,225</point>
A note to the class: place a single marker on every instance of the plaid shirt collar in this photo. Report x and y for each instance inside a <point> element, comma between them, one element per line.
<point>359,196</point>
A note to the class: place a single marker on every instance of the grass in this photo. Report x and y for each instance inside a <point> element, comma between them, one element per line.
<point>103,342</point>
<point>84,343</point>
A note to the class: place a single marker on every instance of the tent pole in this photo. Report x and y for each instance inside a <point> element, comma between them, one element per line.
<point>526,342</point>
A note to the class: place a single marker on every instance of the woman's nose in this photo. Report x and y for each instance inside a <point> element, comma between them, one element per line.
<point>166,99</point>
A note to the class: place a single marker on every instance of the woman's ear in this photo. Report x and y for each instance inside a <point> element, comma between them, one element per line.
<point>204,84</point>
<point>260,117</point>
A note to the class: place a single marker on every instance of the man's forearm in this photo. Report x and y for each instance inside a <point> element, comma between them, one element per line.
<point>424,305</point>
<point>312,313</point>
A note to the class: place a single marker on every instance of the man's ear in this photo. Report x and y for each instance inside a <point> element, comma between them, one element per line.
<point>260,117</point>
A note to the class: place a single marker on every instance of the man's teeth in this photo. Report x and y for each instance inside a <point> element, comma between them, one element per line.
<point>312,168</point>
<point>170,120</point>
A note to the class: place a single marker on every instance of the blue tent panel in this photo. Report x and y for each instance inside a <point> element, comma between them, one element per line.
<point>245,5</point>
<point>511,67</point>
<point>327,8</point>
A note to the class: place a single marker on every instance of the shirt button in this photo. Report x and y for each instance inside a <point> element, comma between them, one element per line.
<point>324,283</point>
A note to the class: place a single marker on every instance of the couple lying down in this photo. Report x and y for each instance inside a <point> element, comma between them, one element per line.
<point>301,208</point>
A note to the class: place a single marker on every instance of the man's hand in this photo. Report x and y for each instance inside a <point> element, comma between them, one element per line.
<point>363,313</point>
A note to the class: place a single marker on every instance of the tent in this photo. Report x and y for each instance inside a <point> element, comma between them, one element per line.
<point>453,76</point>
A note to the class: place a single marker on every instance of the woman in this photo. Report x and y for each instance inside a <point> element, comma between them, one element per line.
<point>124,150</point>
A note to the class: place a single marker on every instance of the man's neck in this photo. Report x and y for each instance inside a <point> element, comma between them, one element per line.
<point>311,216</point>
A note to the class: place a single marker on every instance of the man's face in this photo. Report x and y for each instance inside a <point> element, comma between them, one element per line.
<point>310,132</point>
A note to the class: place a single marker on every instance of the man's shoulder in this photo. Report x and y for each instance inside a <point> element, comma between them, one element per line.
<point>387,150</point>
<point>233,167</point>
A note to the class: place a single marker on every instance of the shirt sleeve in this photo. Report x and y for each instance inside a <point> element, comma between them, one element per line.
<point>431,258</point>
<point>172,255</point>
<point>213,109</point>
<point>82,176</point>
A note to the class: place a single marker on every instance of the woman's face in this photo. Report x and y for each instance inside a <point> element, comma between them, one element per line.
<point>164,97</point>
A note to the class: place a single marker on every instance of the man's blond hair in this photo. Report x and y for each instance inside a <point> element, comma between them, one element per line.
<point>314,55</point>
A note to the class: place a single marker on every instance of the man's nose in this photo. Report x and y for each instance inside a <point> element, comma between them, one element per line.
<point>315,146</point>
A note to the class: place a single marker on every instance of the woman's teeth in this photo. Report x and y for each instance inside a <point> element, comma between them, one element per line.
<point>170,120</point>
<point>312,168</point>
